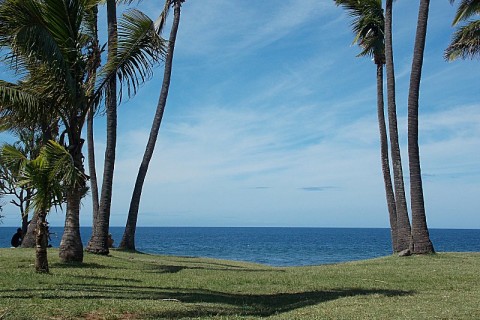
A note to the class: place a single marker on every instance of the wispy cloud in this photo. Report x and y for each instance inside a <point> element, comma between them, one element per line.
<point>316,189</point>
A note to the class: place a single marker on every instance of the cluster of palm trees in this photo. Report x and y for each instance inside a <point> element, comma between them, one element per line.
<point>54,49</point>
<point>372,26</point>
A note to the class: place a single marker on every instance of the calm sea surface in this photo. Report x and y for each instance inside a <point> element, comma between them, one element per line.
<point>273,246</point>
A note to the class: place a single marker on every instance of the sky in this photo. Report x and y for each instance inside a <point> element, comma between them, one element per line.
<point>271,121</point>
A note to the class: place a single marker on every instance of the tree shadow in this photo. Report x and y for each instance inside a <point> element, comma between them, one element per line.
<point>177,268</point>
<point>78,265</point>
<point>202,302</point>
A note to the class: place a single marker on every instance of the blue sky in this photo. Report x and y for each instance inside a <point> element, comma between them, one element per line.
<point>271,121</point>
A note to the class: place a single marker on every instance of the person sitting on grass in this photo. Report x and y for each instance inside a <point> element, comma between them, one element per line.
<point>17,238</point>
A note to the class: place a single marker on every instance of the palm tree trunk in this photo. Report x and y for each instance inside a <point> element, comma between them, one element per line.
<point>128,239</point>
<point>387,178</point>
<point>92,171</point>
<point>41,261</point>
<point>403,222</point>
<point>71,248</point>
<point>28,240</point>
<point>98,243</point>
<point>420,234</point>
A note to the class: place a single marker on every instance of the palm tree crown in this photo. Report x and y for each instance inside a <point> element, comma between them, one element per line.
<point>466,40</point>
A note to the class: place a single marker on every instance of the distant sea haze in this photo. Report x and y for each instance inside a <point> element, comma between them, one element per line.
<point>273,246</point>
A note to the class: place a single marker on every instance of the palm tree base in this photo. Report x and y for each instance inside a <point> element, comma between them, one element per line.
<point>97,250</point>
<point>425,247</point>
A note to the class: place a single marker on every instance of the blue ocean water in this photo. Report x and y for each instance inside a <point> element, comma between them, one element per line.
<point>273,246</point>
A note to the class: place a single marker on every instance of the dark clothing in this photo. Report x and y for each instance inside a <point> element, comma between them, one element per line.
<point>16,239</point>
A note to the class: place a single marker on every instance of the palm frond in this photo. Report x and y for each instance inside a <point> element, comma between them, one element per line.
<point>139,49</point>
<point>31,29</point>
<point>12,94</point>
<point>162,18</point>
<point>466,10</point>
<point>367,25</point>
<point>12,157</point>
<point>61,166</point>
<point>465,42</point>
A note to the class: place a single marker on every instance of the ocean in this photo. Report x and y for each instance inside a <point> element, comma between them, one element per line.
<point>273,246</point>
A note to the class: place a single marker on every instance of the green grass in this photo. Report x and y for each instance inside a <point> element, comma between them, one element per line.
<point>140,286</point>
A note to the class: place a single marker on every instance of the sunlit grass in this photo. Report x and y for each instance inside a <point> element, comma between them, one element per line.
<point>140,286</point>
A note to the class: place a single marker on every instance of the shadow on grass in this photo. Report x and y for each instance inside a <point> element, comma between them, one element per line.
<point>199,302</point>
<point>195,264</point>
<point>153,268</point>
<point>78,265</point>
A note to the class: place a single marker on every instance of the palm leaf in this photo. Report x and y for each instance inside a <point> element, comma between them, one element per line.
<point>466,9</point>
<point>465,42</point>
<point>12,158</point>
<point>139,49</point>
<point>367,25</point>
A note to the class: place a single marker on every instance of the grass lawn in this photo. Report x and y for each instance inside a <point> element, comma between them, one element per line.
<point>141,286</point>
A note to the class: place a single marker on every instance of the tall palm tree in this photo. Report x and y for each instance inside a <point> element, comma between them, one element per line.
<point>51,173</point>
<point>421,239</point>
<point>466,40</point>
<point>99,240</point>
<point>368,25</point>
<point>51,40</point>
<point>128,239</point>
<point>403,222</point>
<point>92,171</point>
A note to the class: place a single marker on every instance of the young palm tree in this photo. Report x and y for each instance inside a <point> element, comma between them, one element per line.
<point>368,25</point>
<point>403,222</point>
<point>50,174</point>
<point>466,40</point>
<point>128,239</point>
<point>420,234</point>
<point>52,41</point>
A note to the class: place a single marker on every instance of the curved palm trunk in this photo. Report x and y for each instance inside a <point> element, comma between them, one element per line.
<point>128,239</point>
<point>99,241</point>
<point>41,261</point>
<point>403,222</point>
<point>387,178</point>
<point>421,238</point>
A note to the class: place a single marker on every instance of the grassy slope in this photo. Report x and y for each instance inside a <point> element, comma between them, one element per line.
<point>140,286</point>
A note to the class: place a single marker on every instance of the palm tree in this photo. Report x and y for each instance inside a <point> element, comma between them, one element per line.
<point>368,26</point>
<point>94,65</point>
<point>466,40</point>
<point>50,174</point>
<point>28,144</point>
<point>32,132</point>
<point>128,239</point>
<point>420,235</point>
<point>52,41</point>
<point>403,222</point>
<point>101,213</point>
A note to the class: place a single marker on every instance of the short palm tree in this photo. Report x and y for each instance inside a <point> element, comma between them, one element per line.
<point>55,42</point>
<point>28,144</point>
<point>368,26</point>
<point>50,174</point>
<point>466,40</point>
